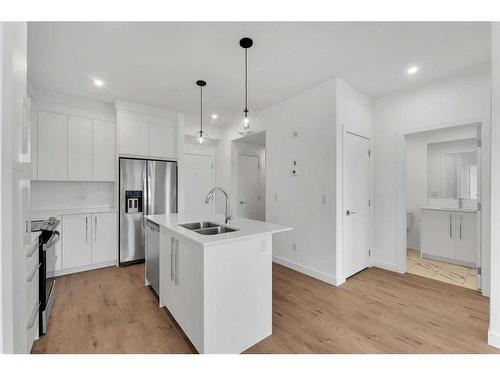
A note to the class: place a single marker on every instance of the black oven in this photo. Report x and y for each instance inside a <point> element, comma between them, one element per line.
<point>48,238</point>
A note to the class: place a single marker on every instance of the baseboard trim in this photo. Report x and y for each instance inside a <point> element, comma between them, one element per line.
<point>494,338</point>
<point>81,269</point>
<point>386,266</point>
<point>330,279</point>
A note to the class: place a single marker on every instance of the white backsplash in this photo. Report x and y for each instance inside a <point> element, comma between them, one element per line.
<point>47,195</point>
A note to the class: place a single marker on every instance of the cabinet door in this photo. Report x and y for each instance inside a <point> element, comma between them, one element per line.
<point>189,285</point>
<point>162,141</point>
<point>167,286</point>
<point>77,241</point>
<point>79,149</point>
<point>466,237</point>
<point>133,136</point>
<point>103,237</point>
<point>103,150</point>
<point>52,146</point>
<point>438,233</point>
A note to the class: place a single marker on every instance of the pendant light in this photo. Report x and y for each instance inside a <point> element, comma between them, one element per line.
<point>246,122</point>
<point>200,133</point>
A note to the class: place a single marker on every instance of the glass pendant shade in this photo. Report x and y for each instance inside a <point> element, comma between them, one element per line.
<point>201,136</point>
<point>245,125</point>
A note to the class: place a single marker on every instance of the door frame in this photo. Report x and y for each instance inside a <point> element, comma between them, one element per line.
<point>204,151</point>
<point>340,214</point>
<point>483,197</point>
<point>259,182</point>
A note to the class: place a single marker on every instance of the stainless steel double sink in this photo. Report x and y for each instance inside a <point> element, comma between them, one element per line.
<point>207,228</point>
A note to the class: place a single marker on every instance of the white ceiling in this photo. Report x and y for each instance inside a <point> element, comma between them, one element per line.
<point>158,63</point>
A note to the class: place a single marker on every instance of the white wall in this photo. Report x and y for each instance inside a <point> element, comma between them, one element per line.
<point>494,329</point>
<point>417,172</point>
<point>462,98</point>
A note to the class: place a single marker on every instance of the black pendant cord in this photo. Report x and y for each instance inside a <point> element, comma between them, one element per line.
<point>201,110</point>
<point>246,83</point>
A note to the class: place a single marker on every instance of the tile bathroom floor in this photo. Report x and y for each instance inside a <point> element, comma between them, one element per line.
<point>442,271</point>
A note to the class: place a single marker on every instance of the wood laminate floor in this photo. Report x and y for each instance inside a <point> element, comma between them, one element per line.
<point>375,311</point>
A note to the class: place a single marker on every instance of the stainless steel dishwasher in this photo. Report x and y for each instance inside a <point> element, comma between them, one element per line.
<point>153,255</point>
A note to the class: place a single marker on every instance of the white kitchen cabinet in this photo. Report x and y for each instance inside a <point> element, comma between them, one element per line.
<point>77,241</point>
<point>449,235</point>
<point>465,223</point>
<point>52,146</point>
<point>133,136</point>
<point>181,286</point>
<point>79,149</point>
<point>103,237</point>
<point>103,150</point>
<point>162,141</point>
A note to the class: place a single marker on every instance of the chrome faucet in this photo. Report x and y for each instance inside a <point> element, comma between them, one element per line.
<point>209,195</point>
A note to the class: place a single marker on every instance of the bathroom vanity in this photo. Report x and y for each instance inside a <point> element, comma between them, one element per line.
<point>450,234</point>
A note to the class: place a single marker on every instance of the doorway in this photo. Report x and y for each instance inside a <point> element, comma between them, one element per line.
<point>199,178</point>
<point>356,203</point>
<point>249,178</point>
<point>442,194</point>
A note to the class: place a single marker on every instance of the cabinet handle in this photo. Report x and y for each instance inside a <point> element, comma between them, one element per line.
<point>86,229</point>
<point>177,262</point>
<point>32,273</point>
<point>172,249</point>
<point>27,229</point>
<point>33,316</point>
<point>95,232</point>
<point>451,234</point>
<point>460,230</point>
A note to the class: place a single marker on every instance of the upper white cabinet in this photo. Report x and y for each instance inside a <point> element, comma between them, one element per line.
<point>162,141</point>
<point>146,131</point>
<point>133,136</point>
<point>103,150</point>
<point>79,149</point>
<point>72,148</point>
<point>52,146</point>
<point>449,235</point>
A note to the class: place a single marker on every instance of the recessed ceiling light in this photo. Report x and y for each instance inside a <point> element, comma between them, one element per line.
<point>215,116</point>
<point>412,69</point>
<point>98,83</point>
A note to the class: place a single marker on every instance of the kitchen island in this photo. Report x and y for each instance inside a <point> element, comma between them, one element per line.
<point>218,287</point>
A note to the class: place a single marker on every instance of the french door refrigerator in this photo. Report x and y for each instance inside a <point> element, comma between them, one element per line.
<point>147,187</point>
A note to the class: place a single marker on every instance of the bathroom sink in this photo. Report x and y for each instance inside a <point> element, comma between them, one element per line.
<point>199,225</point>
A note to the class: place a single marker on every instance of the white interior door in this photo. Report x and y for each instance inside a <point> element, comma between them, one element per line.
<point>479,247</point>
<point>248,187</point>
<point>199,180</point>
<point>356,196</point>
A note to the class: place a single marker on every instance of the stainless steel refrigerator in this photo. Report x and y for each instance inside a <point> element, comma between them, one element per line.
<point>147,187</point>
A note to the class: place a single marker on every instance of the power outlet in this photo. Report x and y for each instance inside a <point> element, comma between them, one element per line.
<point>275,197</point>
<point>294,246</point>
<point>263,244</point>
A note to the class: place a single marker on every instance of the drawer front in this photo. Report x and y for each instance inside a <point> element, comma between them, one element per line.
<point>32,292</point>
<point>32,257</point>
<point>32,328</point>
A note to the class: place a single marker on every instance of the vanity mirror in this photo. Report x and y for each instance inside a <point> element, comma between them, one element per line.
<point>452,169</point>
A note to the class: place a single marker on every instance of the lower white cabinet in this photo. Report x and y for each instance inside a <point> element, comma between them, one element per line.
<point>88,239</point>
<point>181,286</point>
<point>449,235</point>
<point>77,245</point>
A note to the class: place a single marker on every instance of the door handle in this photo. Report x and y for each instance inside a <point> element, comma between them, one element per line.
<point>95,232</point>
<point>243,202</point>
<point>172,249</point>
<point>350,212</point>
<point>86,229</point>
<point>460,228</point>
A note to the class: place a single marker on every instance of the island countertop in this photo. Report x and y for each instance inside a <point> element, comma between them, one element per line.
<point>246,228</point>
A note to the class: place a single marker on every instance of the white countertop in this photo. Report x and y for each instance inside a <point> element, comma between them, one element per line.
<point>450,209</point>
<point>45,214</point>
<point>246,227</point>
